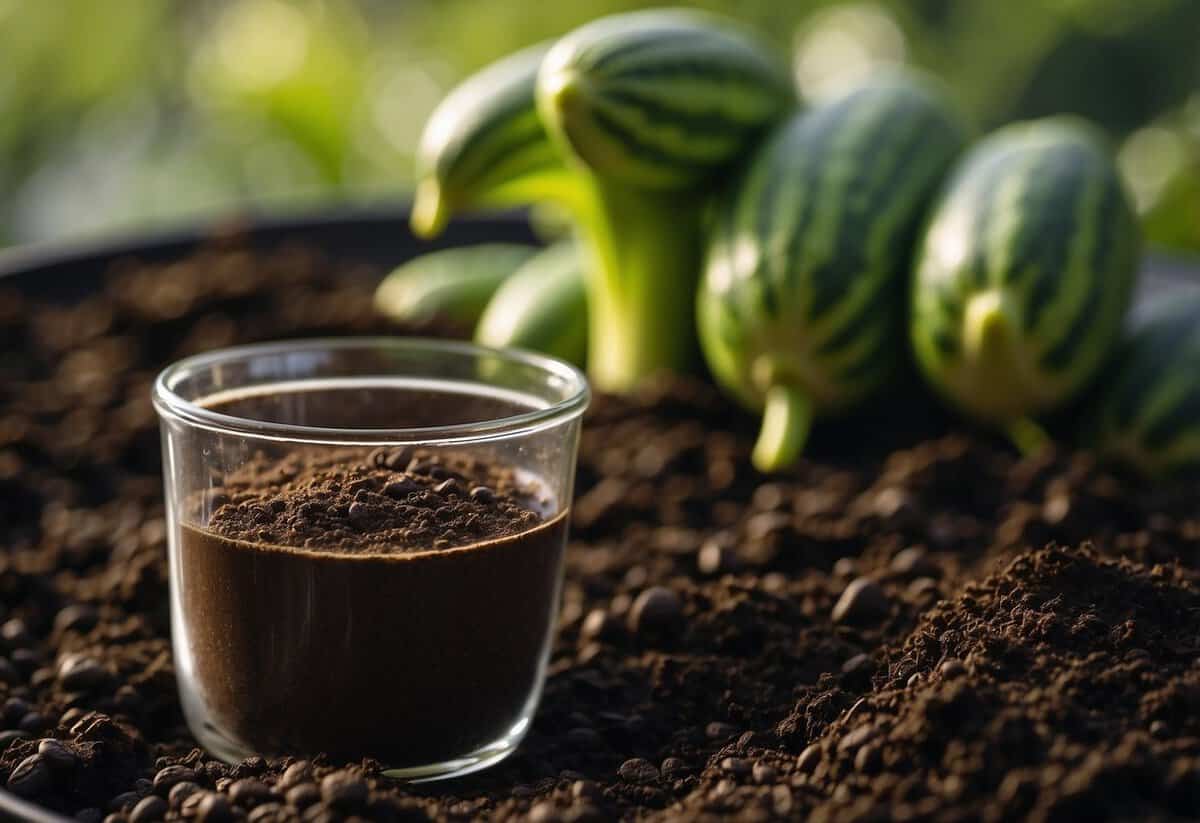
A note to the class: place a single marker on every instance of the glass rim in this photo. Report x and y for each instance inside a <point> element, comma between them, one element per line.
<point>168,403</point>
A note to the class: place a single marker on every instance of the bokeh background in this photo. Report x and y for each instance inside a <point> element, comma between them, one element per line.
<point>122,114</point>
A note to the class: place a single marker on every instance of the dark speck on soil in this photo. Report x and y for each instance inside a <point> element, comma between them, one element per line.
<point>914,624</point>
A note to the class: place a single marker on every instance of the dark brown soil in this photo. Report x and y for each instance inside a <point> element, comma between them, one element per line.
<point>383,502</point>
<point>887,633</point>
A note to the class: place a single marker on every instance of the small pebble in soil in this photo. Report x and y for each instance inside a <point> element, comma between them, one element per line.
<point>76,618</point>
<point>124,801</point>
<point>449,487</point>
<point>249,792</point>
<point>952,668</point>
<point>78,672</point>
<point>857,737</point>
<point>303,795</point>
<point>57,755</point>
<point>656,613</point>
<point>868,759</point>
<point>14,709</point>
<point>30,778</point>
<point>862,601</point>
<point>148,810</point>
<point>180,792</point>
<point>295,774</point>
<point>764,774</point>
<point>717,730</point>
<point>166,778</point>
<point>266,812</point>
<point>213,808</point>
<point>915,562</point>
<point>673,768</point>
<point>344,790</point>
<point>14,633</point>
<point>599,625</point>
<point>401,487</point>
<point>736,766</point>
<point>639,771</point>
<point>33,722</point>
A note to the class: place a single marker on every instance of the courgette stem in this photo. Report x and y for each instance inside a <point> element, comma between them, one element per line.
<point>787,419</point>
<point>645,249</point>
<point>433,206</point>
<point>1028,436</point>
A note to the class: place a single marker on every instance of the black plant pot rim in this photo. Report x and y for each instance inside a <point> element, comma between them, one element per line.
<point>377,233</point>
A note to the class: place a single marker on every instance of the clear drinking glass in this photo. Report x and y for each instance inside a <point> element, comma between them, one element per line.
<point>430,661</point>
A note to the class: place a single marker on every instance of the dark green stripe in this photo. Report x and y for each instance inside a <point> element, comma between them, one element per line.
<point>878,308</point>
<point>828,278</point>
<point>944,342</point>
<point>873,364</point>
<point>632,144</point>
<point>836,278</point>
<point>1137,377</point>
<point>1049,223</point>
<point>886,292</point>
<point>712,123</point>
<point>1061,354</point>
<point>925,140</point>
<point>941,319</point>
<point>774,179</point>
<point>1109,217</point>
<point>485,146</point>
<point>1155,351</point>
<point>948,307</point>
<point>633,43</point>
<point>518,164</point>
<point>1182,418</point>
<point>722,74</point>
<point>981,190</point>
<point>808,142</point>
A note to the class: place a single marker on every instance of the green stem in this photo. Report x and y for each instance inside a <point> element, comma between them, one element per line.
<point>646,249</point>
<point>433,206</point>
<point>1028,436</point>
<point>787,418</point>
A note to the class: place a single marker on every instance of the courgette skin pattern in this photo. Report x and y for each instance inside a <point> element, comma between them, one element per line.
<point>452,284</point>
<point>802,303</point>
<point>661,99</point>
<point>485,145</point>
<point>542,307</point>
<point>1147,414</point>
<point>1025,272</point>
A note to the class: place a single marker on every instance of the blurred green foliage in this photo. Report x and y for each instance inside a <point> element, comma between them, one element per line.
<point>123,113</point>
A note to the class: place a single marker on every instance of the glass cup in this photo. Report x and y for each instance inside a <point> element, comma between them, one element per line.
<point>336,584</point>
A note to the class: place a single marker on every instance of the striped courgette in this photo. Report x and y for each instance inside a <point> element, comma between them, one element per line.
<point>1024,274</point>
<point>802,304</point>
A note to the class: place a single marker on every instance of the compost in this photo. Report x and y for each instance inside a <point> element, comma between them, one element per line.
<point>914,623</point>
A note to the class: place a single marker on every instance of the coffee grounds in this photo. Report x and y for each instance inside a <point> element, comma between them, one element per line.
<point>318,611</point>
<point>699,672</point>
<point>382,502</point>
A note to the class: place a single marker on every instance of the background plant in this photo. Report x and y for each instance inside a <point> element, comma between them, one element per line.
<point>124,113</point>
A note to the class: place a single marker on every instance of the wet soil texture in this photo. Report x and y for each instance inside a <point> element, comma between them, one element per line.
<point>915,624</point>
